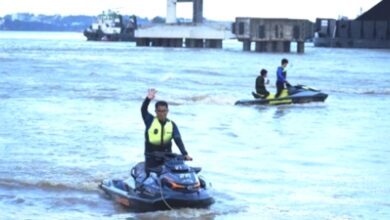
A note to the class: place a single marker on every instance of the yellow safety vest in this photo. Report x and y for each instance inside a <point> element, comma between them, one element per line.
<point>158,134</point>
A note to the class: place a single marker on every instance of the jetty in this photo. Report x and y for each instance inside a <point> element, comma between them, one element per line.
<point>195,34</point>
<point>272,34</point>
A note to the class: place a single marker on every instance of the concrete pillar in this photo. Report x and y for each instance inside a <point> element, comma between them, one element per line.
<point>143,42</point>
<point>156,42</point>
<point>278,46</point>
<point>260,46</point>
<point>197,11</point>
<point>187,43</point>
<point>194,43</point>
<point>213,43</point>
<point>165,42</point>
<point>199,43</point>
<point>268,46</point>
<point>246,44</point>
<point>176,42</point>
<point>287,46</point>
<point>138,42</point>
<point>171,12</point>
<point>300,47</point>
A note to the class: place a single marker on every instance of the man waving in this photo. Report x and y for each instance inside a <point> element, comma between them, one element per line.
<point>159,131</point>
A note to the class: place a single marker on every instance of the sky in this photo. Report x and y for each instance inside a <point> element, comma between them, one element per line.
<point>225,10</point>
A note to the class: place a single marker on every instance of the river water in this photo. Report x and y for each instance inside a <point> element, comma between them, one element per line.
<point>70,117</point>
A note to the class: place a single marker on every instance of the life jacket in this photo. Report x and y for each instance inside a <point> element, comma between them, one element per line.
<point>158,134</point>
<point>284,73</point>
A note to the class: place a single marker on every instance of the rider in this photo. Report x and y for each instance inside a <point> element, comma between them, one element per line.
<point>261,80</point>
<point>281,75</point>
<point>159,131</point>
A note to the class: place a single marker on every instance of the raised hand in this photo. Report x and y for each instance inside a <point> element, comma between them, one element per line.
<point>151,93</point>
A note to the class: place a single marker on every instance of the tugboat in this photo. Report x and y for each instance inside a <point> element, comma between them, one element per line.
<point>111,26</point>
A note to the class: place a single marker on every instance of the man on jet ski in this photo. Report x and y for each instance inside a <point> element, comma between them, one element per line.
<point>261,81</point>
<point>159,132</point>
<point>281,75</point>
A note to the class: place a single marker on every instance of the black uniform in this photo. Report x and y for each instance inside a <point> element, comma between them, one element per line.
<point>260,86</point>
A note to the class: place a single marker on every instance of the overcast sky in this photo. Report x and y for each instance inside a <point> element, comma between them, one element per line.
<point>212,9</point>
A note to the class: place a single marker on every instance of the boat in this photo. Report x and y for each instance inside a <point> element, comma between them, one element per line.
<point>111,26</point>
<point>289,95</point>
<point>170,186</point>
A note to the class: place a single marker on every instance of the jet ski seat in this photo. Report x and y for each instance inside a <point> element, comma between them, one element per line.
<point>258,96</point>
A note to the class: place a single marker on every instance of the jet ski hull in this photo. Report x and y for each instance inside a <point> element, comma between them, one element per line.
<point>295,95</point>
<point>143,201</point>
<point>171,185</point>
<point>321,97</point>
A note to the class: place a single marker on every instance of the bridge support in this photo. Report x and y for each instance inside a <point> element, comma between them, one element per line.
<point>197,11</point>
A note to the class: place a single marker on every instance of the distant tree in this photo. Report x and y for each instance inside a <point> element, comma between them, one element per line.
<point>30,22</point>
<point>158,20</point>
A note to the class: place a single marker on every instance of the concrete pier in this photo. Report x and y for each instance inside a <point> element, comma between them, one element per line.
<point>191,35</point>
<point>272,35</point>
<point>300,47</point>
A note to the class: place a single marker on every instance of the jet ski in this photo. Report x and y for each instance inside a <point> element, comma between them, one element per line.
<point>171,185</point>
<point>289,95</point>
